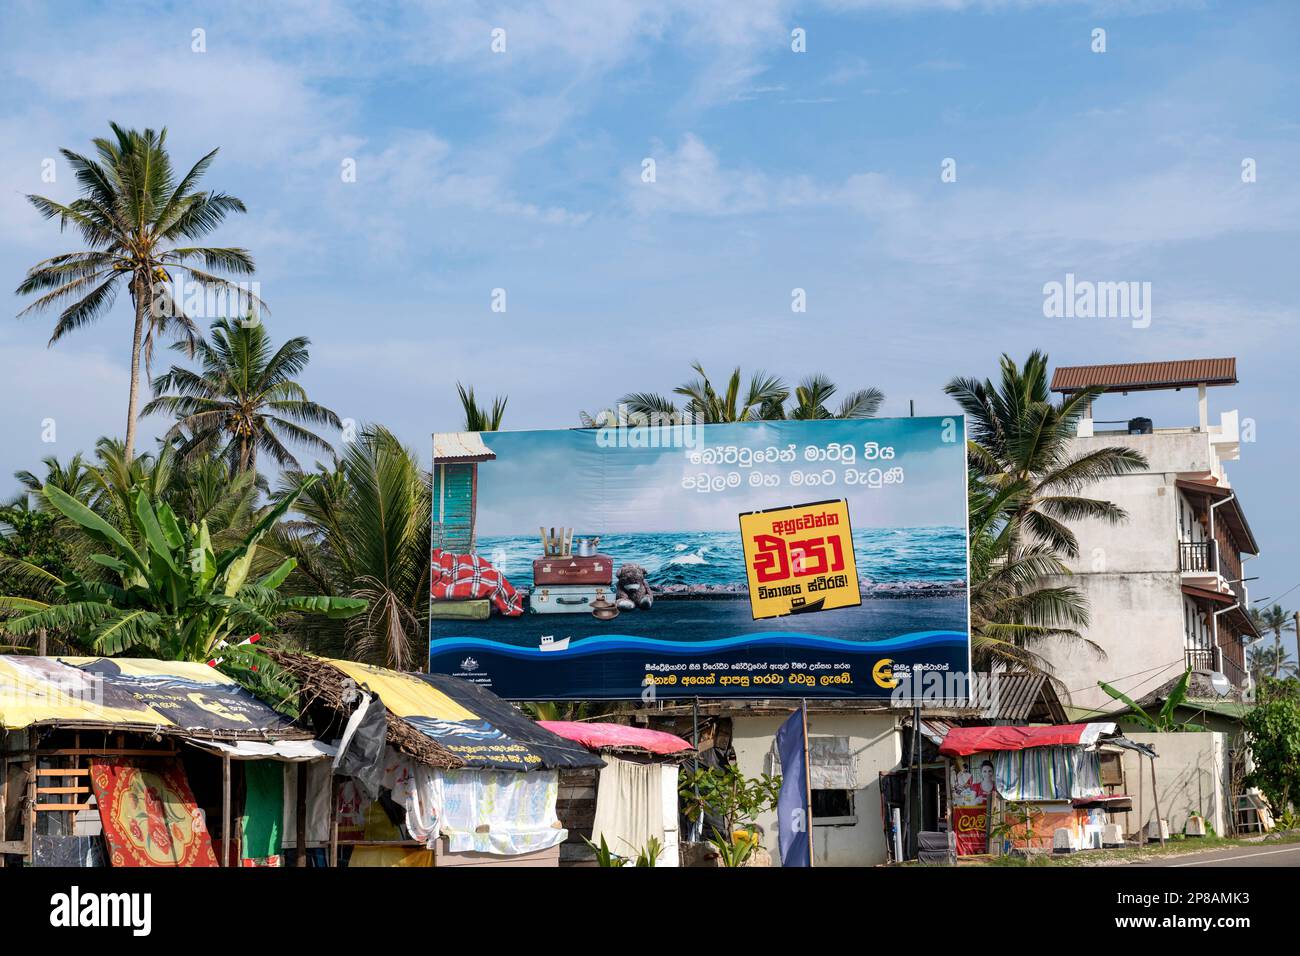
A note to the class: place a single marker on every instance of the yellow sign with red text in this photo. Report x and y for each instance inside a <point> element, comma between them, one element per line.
<point>800,559</point>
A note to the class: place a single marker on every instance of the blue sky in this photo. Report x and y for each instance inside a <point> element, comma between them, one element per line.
<point>775,170</point>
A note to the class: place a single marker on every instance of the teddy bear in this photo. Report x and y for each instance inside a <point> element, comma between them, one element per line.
<point>633,588</point>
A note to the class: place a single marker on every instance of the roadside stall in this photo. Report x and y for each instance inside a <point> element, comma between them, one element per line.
<point>433,770</point>
<point>633,799</point>
<point>1028,787</point>
<point>134,762</point>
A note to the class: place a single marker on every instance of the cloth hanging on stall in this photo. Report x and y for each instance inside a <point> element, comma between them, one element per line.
<point>149,814</point>
<point>1047,773</point>
<point>320,782</point>
<point>352,806</point>
<point>260,825</point>
<point>418,791</point>
<point>362,748</point>
<point>629,806</point>
<point>500,812</point>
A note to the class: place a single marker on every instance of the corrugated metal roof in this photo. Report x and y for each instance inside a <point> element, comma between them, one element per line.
<point>1140,376</point>
<point>1022,696</point>
<point>460,446</point>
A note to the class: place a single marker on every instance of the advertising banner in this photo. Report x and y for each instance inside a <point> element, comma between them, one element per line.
<point>756,559</point>
<point>970,825</point>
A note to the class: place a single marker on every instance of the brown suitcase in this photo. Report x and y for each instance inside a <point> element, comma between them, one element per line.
<point>597,569</point>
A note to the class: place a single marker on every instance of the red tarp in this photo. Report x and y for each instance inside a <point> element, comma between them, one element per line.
<point>964,741</point>
<point>598,736</point>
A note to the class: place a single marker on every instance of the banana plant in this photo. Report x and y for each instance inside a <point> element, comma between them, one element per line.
<point>171,595</point>
<point>1166,720</point>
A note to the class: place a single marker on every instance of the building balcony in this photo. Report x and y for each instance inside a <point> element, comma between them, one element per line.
<point>1213,659</point>
<point>1198,557</point>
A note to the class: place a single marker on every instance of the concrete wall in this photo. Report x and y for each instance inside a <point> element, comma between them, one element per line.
<point>1193,773</point>
<point>876,747</point>
<point>1129,575</point>
<point>1136,621</point>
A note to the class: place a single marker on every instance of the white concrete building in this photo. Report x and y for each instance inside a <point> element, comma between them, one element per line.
<point>1165,589</point>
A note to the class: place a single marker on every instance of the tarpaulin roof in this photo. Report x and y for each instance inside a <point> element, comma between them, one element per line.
<point>616,736</point>
<point>963,741</point>
<point>170,697</point>
<point>468,720</point>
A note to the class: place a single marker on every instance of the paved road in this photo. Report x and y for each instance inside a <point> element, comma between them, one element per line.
<point>1265,854</point>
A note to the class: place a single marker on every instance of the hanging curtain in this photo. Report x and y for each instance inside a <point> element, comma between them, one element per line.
<point>629,806</point>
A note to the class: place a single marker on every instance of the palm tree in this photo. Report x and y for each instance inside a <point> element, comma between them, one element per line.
<point>1276,620</point>
<point>174,595</point>
<point>763,399</point>
<point>244,400</point>
<point>198,489</point>
<point>1015,604</point>
<point>1272,662</point>
<point>364,533</point>
<point>75,478</point>
<point>134,216</point>
<point>815,392</point>
<point>479,418</point>
<point>1019,438</point>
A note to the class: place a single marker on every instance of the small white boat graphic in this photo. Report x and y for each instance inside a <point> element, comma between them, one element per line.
<point>549,643</point>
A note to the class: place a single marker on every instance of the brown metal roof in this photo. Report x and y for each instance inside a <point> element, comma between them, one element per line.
<point>1145,376</point>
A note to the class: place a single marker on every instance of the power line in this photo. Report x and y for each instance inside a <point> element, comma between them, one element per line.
<point>1280,596</point>
<point>1116,680</point>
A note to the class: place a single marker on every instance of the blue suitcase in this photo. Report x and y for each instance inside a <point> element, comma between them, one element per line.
<point>567,598</point>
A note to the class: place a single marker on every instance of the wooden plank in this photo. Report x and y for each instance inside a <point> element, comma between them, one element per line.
<point>62,806</point>
<point>73,772</point>
<point>225,809</point>
<point>63,790</point>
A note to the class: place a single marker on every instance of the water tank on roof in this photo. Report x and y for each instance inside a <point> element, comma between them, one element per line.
<point>1139,426</point>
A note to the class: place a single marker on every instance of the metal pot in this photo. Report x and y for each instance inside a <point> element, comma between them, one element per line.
<point>586,547</point>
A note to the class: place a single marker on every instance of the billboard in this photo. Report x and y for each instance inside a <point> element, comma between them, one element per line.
<point>744,560</point>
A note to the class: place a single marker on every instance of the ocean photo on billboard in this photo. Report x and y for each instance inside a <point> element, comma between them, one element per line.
<point>672,508</point>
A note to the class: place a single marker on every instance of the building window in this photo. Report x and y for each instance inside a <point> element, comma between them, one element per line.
<point>832,776</point>
<point>832,807</point>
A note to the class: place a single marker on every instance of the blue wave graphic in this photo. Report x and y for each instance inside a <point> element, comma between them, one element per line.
<point>616,642</point>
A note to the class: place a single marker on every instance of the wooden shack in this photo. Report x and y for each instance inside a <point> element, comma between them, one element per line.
<point>456,456</point>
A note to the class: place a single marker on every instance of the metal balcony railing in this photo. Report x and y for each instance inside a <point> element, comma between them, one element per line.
<point>1213,659</point>
<point>1198,556</point>
<point>1233,671</point>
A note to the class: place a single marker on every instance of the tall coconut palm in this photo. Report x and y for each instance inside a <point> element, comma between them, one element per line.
<point>480,418</point>
<point>1016,603</point>
<point>1277,620</point>
<point>1020,438</point>
<point>136,220</point>
<point>244,399</point>
<point>364,533</point>
<point>1272,662</point>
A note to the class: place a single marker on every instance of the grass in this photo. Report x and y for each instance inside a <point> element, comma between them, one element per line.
<point>1125,855</point>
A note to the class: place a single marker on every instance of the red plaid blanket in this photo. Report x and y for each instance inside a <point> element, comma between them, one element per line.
<point>460,577</point>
